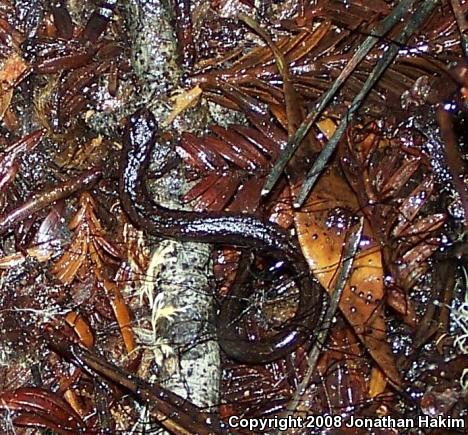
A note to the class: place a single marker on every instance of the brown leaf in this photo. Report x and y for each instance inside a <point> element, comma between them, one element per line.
<point>262,142</point>
<point>81,328</point>
<point>219,195</point>
<point>198,155</point>
<point>231,174</point>
<point>5,100</point>
<point>232,154</point>
<point>342,369</point>
<point>400,177</point>
<point>37,421</point>
<point>68,265</point>
<point>322,246</point>
<point>247,148</point>
<point>248,196</point>
<point>423,226</point>
<point>377,382</point>
<point>9,157</point>
<point>201,186</point>
<point>13,69</point>
<point>121,313</point>
<point>282,213</point>
<point>412,205</point>
<point>414,261</point>
<point>40,406</point>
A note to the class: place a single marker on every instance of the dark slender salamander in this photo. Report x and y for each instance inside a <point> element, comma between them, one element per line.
<point>244,231</point>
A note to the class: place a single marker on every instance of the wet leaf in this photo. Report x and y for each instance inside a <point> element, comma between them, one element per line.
<point>229,152</point>
<point>202,186</point>
<point>228,162</point>
<point>13,69</point>
<point>195,153</point>
<point>91,250</point>
<point>242,144</point>
<point>322,245</point>
<point>220,194</point>
<point>81,327</point>
<point>412,205</point>
<point>399,178</point>
<point>5,100</point>
<point>242,202</point>
<point>37,406</point>
<point>121,313</point>
<point>423,226</point>
<point>377,382</point>
<point>414,261</point>
<point>10,156</point>
<point>183,101</point>
<point>67,267</point>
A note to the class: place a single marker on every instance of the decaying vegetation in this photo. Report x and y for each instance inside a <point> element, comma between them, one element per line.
<point>342,122</point>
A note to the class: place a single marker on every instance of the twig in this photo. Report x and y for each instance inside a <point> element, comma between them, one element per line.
<point>318,166</point>
<point>349,253</point>
<point>173,412</point>
<point>384,27</point>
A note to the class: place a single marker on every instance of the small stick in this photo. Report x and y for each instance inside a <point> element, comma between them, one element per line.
<point>384,27</point>
<point>318,166</point>
<point>174,413</point>
<point>349,253</point>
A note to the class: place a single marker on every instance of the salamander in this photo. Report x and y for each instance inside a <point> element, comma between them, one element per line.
<point>222,228</point>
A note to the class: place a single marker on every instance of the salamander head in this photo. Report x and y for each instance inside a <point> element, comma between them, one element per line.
<point>142,119</point>
<point>141,130</point>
